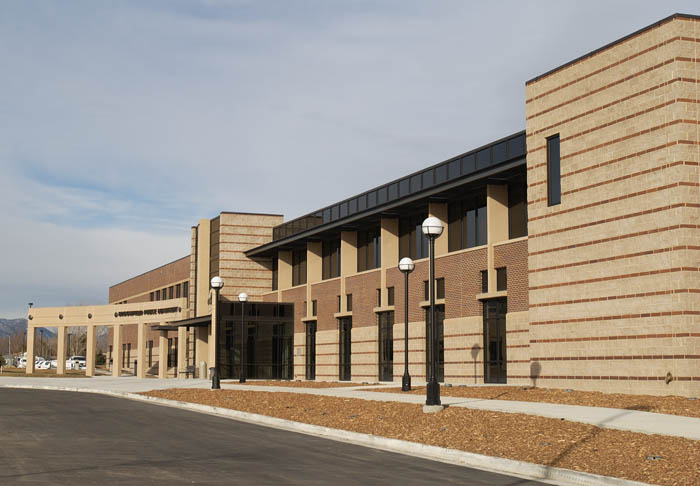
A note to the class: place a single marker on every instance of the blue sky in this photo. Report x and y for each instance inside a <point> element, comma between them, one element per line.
<point>123,123</point>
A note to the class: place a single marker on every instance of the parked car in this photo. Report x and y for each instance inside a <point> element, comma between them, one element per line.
<point>44,365</point>
<point>76,363</point>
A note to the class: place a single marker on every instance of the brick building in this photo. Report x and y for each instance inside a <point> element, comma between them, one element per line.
<point>569,257</point>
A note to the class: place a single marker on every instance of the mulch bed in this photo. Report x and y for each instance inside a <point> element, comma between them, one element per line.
<point>646,403</point>
<point>540,440</point>
<point>299,384</point>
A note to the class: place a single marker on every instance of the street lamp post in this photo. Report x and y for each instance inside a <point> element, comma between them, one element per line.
<point>406,266</point>
<point>432,228</point>
<point>243,298</point>
<point>217,283</point>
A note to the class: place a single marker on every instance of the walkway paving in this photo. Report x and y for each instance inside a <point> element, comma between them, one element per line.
<point>631,420</point>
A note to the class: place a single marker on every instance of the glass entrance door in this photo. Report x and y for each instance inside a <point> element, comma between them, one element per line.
<point>440,320</point>
<point>345,343</point>
<point>311,350</point>
<point>495,357</point>
<point>386,346</point>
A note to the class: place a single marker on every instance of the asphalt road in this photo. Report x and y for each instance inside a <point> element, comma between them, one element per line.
<point>51,437</point>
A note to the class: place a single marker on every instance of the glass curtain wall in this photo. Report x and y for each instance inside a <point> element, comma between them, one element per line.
<point>268,329</point>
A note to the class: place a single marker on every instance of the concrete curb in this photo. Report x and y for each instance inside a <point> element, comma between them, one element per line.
<point>521,469</point>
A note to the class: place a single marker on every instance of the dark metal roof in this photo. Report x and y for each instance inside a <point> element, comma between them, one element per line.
<point>481,163</point>
<point>611,44</point>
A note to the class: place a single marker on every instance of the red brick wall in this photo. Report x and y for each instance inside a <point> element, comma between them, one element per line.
<point>364,297</point>
<point>326,296</point>
<point>462,274</point>
<point>155,279</point>
<point>513,256</point>
<point>296,296</point>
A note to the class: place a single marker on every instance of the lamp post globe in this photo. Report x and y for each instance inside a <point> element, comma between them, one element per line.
<point>432,228</point>
<point>406,266</point>
<point>242,298</point>
<point>216,283</point>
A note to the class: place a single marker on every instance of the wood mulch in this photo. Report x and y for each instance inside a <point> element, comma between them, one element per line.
<point>300,384</point>
<point>672,405</point>
<point>570,445</point>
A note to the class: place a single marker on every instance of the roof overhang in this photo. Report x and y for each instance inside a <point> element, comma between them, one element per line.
<point>201,321</point>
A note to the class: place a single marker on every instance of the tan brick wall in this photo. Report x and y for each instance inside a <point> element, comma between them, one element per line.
<point>137,289</point>
<point>238,233</point>
<point>613,269</point>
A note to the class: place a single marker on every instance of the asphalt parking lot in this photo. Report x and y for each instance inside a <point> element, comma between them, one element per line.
<point>54,437</point>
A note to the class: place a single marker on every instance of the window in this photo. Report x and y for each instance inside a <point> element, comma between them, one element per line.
<point>185,289</point>
<point>466,223</point>
<point>369,251</point>
<point>379,297</point>
<point>338,304</point>
<point>298,267</point>
<point>331,259</point>
<point>178,291</point>
<point>314,308</point>
<point>275,274</point>
<point>149,345</point>
<point>123,355</point>
<point>170,355</point>
<point>412,242</point>
<point>440,288</point>
<point>157,295</point>
<point>390,296</point>
<point>484,281</point>
<point>164,294</point>
<point>348,302</point>
<point>501,279</point>
<point>152,297</point>
<point>517,208</point>
<point>553,171</point>
<point>171,291</point>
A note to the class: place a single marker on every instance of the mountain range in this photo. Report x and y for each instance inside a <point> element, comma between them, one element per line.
<point>11,327</point>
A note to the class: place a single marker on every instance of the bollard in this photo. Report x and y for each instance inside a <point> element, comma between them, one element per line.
<point>202,369</point>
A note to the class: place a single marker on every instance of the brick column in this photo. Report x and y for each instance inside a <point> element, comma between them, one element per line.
<point>162,354</point>
<point>31,336</point>
<point>117,350</point>
<point>61,352</point>
<point>90,349</point>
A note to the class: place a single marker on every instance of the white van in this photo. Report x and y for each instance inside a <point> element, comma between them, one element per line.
<point>76,363</point>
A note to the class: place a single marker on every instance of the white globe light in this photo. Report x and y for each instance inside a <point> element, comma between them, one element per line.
<point>432,227</point>
<point>406,265</point>
<point>217,282</point>
<point>243,297</point>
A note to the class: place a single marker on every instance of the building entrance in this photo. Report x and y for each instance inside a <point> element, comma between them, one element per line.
<point>269,330</point>
<point>495,356</point>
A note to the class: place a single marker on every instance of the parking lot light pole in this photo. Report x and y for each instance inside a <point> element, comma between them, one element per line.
<point>432,228</point>
<point>243,298</point>
<point>406,266</point>
<point>217,283</point>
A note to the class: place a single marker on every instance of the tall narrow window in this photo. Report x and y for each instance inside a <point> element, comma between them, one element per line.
<point>298,267</point>
<point>186,289</point>
<point>553,171</point>
<point>275,273</point>
<point>331,259</point>
<point>390,296</point>
<point>501,279</point>
<point>349,302</point>
<point>412,242</point>
<point>178,291</point>
<point>467,222</point>
<point>369,253</point>
<point>314,308</point>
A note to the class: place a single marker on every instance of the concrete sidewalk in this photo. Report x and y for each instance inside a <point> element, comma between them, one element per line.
<point>630,420</point>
